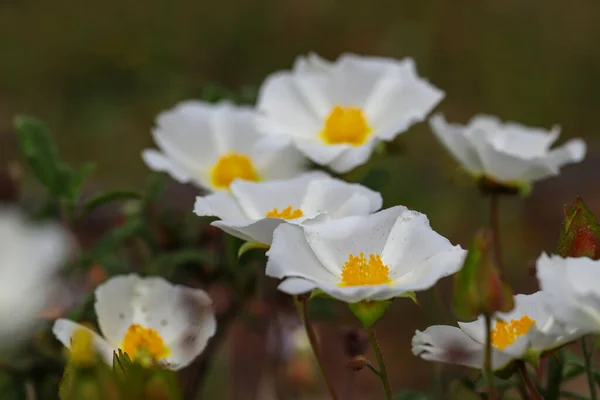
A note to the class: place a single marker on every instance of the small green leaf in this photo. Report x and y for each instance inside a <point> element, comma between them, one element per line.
<point>411,295</point>
<point>412,395</point>
<point>114,239</point>
<point>108,197</point>
<point>369,312</point>
<point>251,246</point>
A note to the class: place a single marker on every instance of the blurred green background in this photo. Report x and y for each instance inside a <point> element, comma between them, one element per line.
<point>99,72</point>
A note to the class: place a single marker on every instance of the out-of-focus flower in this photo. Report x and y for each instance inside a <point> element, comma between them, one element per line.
<point>337,112</point>
<point>374,257</point>
<point>29,258</point>
<point>506,153</point>
<point>575,285</point>
<point>149,319</point>
<point>522,334</point>
<point>210,145</point>
<point>252,211</point>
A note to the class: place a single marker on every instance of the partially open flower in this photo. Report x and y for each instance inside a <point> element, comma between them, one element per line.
<point>149,319</point>
<point>374,257</point>
<point>30,256</point>
<point>522,334</point>
<point>211,145</point>
<point>575,283</point>
<point>337,112</point>
<point>252,211</point>
<point>506,153</point>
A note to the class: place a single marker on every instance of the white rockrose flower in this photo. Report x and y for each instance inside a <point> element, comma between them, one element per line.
<point>506,153</point>
<point>335,113</point>
<point>374,257</point>
<point>521,334</point>
<point>252,210</point>
<point>210,145</point>
<point>30,256</point>
<point>148,317</point>
<point>575,283</point>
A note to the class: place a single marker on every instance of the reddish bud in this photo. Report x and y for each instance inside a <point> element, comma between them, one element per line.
<point>580,235</point>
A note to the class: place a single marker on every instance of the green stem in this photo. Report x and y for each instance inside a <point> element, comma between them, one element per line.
<point>383,375</point>
<point>495,224</point>
<point>487,361</point>
<point>302,304</point>
<point>587,355</point>
<point>531,389</point>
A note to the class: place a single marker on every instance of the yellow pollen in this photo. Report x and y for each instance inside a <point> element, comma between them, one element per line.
<point>505,333</point>
<point>287,213</point>
<point>346,125</point>
<point>232,166</point>
<point>358,271</point>
<point>138,338</point>
<point>82,348</point>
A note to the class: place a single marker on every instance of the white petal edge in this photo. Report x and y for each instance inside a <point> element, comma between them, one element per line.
<point>64,329</point>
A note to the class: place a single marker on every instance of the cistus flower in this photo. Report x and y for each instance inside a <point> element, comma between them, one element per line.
<point>524,333</point>
<point>335,113</point>
<point>30,256</point>
<point>575,283</point>
<point>374,257</point>
<point>150,319</point>
<point>252,210</point>
<point>508,153</point>
<point>210,145</point>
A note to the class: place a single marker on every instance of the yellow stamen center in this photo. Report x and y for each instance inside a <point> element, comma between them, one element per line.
<point>232,166</point>
<point>82,348</point>
<point>358,271</point>
<point>346,125</point>
<point>505,333</point>
<point>287,213</point>
<point>146,340</point>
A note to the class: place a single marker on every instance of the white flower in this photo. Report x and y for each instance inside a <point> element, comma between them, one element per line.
<point>29,258</point>
<point>523,333</point>
<point>170,323</point>
<point>335,113</point>
<point>575,283</point>
<point>374,257</point>
<point>210,145</point>
<point>252,210</point>
<point>507,153</point>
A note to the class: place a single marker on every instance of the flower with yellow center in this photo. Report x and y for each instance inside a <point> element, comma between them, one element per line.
<point>522,334</point>
<point>370,257</point>
<point>211,145</point>
<point>252,210</point>
<point>335,113</point>
<point>150,319</point>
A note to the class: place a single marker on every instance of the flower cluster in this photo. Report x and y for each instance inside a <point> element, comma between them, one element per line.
<point>261,173</point>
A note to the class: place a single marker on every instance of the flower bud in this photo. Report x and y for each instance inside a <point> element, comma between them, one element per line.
<point>580,235</point>
<point>357,363</point>
<point>355,342</point>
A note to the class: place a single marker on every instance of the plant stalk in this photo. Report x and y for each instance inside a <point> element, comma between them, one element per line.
<point>589,368</point>
<point>533,393</point>
<point>383,375</point>
<point>495,225</point>
<point>487,361</point>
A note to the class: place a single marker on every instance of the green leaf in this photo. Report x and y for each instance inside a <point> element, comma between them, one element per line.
<point>556,362</point>
<point>411,295</point>
<point>12,387</point>
<point>76,180</point>
<point>369,312</point>
<point>114,239</point>
<point>108,197</point>
<point>412,395</point>
<point>247,246</point>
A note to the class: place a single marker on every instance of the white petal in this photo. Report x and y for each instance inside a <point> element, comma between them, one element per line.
<point>353,157</point>
<point>283,163</point>
<point>182,316</point>
<point>157,161</point>
<point>312,63</point>
<point>452,137</point>
<point>571,152</point>
<point>295,286</point>
<point>449,344</point>
<point>291,256</point>
<point>339,199</point>
<point>260,231</point>
<point>221,205</point>
<point>321,153</point>
<point>114,307</point>
<point>333,241</point>
<point>64,329</point>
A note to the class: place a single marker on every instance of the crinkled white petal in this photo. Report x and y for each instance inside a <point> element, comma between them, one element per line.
<point>312,63</point>
<point>157,161</point>
<point>221,205</point>
<point>338,198</point>
<point>577,281</point>
<point>352,157</point>
<point>114,306</point>
<point>260,231</point>
<point>64,330</point>
<point>449,344</point>
<point>453,138</point>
